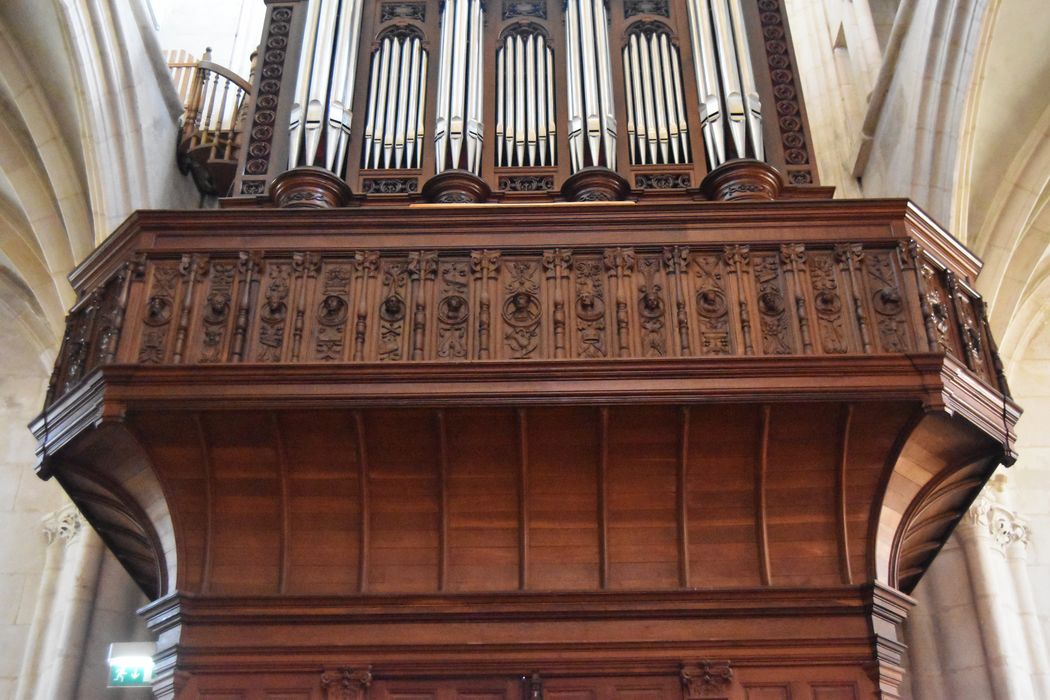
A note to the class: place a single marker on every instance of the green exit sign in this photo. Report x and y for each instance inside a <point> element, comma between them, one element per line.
<point>129,676</point>
<point>131,664</point>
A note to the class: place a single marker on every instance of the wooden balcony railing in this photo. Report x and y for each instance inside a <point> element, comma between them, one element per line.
<point>633,290</point>
<point>216,102</point>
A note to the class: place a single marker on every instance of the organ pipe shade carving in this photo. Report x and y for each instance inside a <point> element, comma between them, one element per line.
<point>657,127</point>
<point>730,109</point>
<point>394,127</point>
<point>323,108</point>
<point>592,121</point>
<point>525,122</point>
<point>458,131</point>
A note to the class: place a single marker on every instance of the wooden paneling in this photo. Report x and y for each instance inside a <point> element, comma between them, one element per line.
<point>641,483</point>
<point>404,501</point>
<point>724,446</point>
<point>483,502</point>
<point>564,460</point>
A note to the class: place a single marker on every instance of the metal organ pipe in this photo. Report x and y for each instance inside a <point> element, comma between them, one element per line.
<point>459,131</point>
<point>396,99</point>
<point>323,105</point>
<point>592,121</point>
<point>657,124</point>
<point>525,125</point>
<point>725,80</point>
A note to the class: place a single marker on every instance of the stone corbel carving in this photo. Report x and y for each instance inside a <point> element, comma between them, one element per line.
<point>63,524</point>
<point>1004,525</point>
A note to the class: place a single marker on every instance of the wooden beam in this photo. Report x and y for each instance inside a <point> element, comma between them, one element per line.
<point>840,495</point>
<point>362,467</point>
<point>683,504</point>
<point>523,495</point>
<point>208,505</point>
<point>282,475</point>
<point>603,504</point>
<point>762,531</point>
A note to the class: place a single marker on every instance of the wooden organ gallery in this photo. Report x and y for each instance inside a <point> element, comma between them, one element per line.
<point>526,358</point>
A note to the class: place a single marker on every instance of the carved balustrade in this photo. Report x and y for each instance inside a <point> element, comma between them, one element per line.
<point>328,300</point>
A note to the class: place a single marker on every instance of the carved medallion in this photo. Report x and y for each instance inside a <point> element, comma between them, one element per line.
<point>522,310</point>
<point>333,311</point>
<point>712,306</point>
<point>828,303</point>
<point>217,307</point>
<point>453,311</point>
<point>274,313</point>
<point>651,308</point>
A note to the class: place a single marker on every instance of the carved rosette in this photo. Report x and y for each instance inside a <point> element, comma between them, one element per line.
<point>522,309</point>
<point>264,117</point>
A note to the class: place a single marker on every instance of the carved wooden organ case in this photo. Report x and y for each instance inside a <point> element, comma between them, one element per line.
<point>658,420</point>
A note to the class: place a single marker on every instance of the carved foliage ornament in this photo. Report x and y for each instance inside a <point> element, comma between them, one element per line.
<point>706,679</point>
<point>522,309</point>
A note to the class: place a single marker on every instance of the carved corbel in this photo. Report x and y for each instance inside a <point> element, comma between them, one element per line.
<point>706,679</point>
<point>346,683</point>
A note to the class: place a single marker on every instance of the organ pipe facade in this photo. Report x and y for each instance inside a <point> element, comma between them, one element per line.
<point>660,92</point>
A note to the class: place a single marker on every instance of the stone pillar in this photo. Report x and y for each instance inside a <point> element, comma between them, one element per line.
<point>986,532</point>
<point>52,658</point>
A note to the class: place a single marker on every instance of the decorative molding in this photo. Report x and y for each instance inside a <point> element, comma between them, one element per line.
<point>416,11</point>
<point>64,524</point>
<point>1003,525</point>
<point>346,683</point>
<point>706,679</point>
<point>524,8</point>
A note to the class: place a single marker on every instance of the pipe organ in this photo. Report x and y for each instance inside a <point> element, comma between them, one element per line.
<point>323,107</point>
<point>657,125</point>
<point>458,130</point>
<point>725,81</point>
<point>526,128</point>
<point>659,92</point>
<point>389,445</point>
<point>394,128</point>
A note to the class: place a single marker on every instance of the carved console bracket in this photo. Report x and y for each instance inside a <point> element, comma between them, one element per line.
<point>456,187</point>
<point>706,679</point>
<point>889,608</point>
<point>743,179</point>
<point>310,188</point>
<point>595,185</point>
<point>346,683</point>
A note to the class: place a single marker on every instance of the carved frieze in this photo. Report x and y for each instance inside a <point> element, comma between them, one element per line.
<point>216,314</point>
<point>884,286</point>
<point>827,301</point>
<point>590,308</point>
<point>522,309</point>
<point>392,309</point>
<point>652,309</point>
<point>333,312</point>
<point>158,314</point>
<point>273,316</point>
<point>485,266</point>
<point>772,307</point>
<point>453,310</point>
<point>712,306</point>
